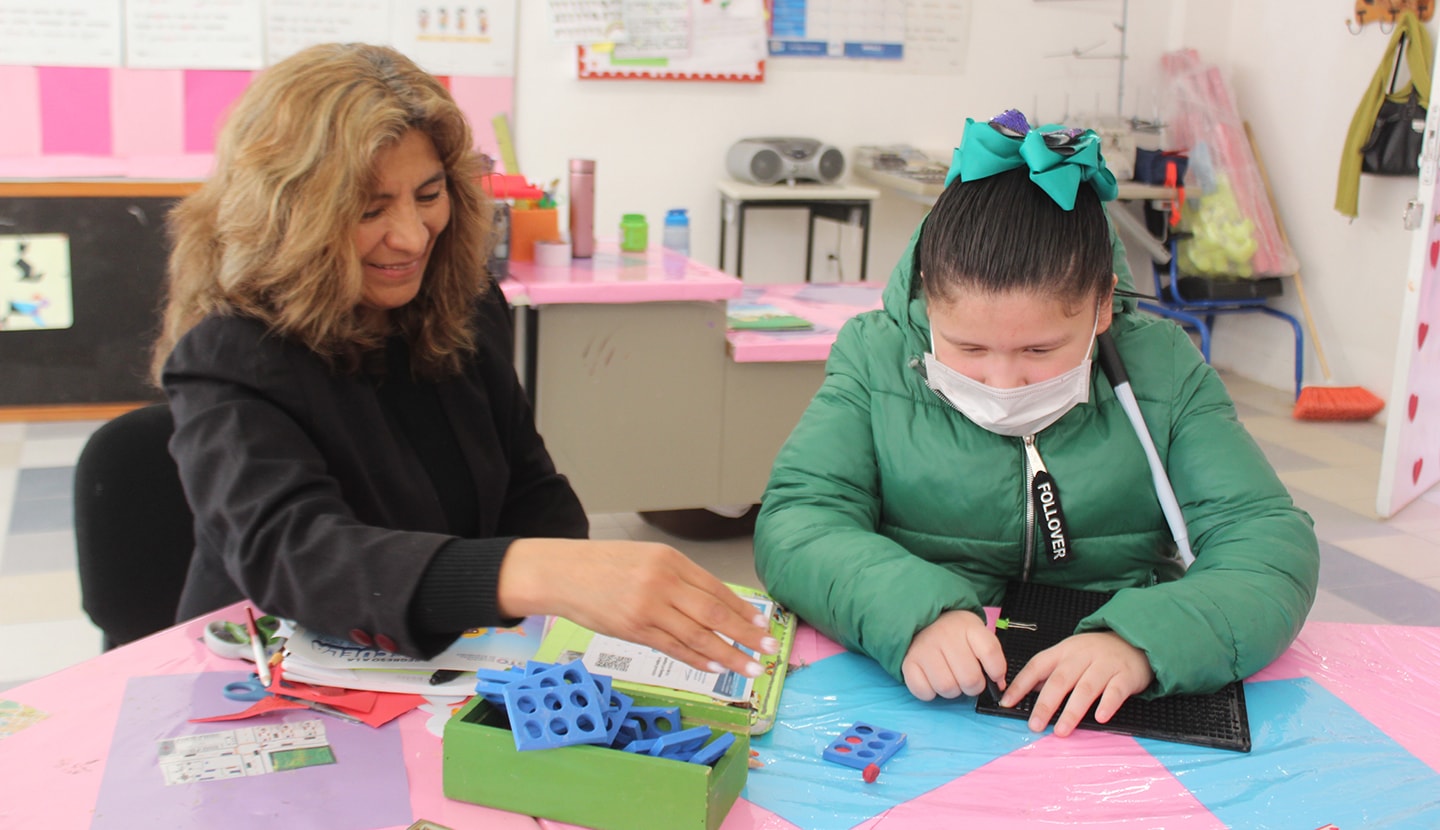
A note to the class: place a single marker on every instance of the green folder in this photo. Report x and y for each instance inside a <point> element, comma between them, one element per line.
<point>765,317</point>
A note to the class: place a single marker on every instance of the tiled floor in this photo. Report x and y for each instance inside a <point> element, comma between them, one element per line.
<point>1372,571</point>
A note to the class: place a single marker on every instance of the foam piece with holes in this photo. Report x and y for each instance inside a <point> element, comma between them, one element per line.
<point>712,752</point>
<point>655,721</point>
<point>616,710</point>
<point>490,683</point>
<point>864,744</point>
<point>559,706</point>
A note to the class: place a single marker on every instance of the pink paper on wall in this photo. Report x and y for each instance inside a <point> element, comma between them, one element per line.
<point>208,96</point>
<point>20,90</point>
<point>481,99</point>
<point>74,111</point>
<point>149,108</point>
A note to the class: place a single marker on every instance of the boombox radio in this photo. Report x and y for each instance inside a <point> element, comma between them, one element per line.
<point>772,160</point>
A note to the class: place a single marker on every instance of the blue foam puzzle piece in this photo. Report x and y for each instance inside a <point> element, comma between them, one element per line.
<point>656,720</point>
<point>713,751</point>
<point>555,707</point>
<point>864,744</point>
<point>490,683</point>
<point>641,747</point>
<point>681,744</point>
<point>617,709</point>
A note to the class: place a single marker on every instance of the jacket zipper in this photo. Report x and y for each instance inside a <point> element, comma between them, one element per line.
<point>1033,464</point>
<point>1032,461</point>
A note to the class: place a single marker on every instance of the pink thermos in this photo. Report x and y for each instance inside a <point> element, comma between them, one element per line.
<point>582,207</point>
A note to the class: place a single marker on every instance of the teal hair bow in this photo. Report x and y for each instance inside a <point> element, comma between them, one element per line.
<point>1059,158</point>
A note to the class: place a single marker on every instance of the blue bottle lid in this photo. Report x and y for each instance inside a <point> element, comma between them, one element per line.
<point>676,216</point>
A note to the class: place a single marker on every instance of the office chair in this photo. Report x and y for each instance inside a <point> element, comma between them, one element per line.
<point>134,531</point>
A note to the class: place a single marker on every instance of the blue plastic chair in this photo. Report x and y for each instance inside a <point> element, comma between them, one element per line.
<point>1200,314</point>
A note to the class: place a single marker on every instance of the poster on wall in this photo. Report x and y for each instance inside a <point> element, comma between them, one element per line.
<point>456,38</point>
<point>60,32</point>
<point>292,25</point>
<point>35,282</point>
<point>838,29</point>
<point>183,34</point>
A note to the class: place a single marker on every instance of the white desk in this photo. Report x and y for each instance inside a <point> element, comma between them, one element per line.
<point>838,203</point>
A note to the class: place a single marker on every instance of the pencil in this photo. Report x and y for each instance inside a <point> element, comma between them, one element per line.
<point>262,666</point>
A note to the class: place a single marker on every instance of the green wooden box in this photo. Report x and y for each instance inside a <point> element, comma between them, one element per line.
<point>595,786</point>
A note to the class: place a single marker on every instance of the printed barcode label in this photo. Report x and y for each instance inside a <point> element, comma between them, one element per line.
<point>613,662</point>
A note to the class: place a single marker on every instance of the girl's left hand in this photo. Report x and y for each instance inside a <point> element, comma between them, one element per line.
<point>1096,664</point>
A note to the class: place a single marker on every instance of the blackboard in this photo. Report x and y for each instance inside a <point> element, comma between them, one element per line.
<point>118,250</point>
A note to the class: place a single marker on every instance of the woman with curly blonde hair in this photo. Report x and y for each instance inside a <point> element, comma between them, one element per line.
<point>349,429</point>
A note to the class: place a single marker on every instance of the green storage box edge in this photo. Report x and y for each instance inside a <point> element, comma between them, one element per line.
<point>595,786</point>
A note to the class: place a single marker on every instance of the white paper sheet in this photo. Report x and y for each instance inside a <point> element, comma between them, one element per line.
<point>292,25</point>
<point>182,34</point>
<point>453,38</point>
<point>60,32</point>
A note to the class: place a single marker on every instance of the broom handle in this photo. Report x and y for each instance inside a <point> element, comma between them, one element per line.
<point>1280,226</point>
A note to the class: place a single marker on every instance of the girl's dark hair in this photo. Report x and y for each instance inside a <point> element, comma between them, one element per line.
<point>1003,233</point>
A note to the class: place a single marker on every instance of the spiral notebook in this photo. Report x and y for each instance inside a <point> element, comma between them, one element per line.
<point>1215,720</point>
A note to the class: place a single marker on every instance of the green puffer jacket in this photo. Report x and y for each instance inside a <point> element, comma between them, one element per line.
<point>887,507</point>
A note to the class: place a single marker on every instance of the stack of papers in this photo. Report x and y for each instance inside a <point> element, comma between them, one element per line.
<point>323,660</point>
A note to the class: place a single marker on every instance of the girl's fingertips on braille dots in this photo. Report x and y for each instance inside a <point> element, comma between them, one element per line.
<point>715,667</point>
<point>770,645</point>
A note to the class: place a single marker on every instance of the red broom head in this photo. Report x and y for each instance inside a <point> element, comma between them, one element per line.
<point>1331,403</point>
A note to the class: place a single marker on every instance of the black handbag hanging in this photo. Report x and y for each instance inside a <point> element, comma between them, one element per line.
<point>1393,148</point>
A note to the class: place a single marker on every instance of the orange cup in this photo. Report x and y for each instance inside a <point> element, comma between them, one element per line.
<point>530,226</point>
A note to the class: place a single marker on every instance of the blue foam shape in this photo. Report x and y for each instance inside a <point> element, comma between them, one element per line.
<point>712,752</point>
<point>641,747</point>
<point>864,744</point>
<point>681,744</point>
<point>651,717</point>
<point>555,707</point>
<point>617,709</point>
<point>490,683</point>
<point>631,730</point>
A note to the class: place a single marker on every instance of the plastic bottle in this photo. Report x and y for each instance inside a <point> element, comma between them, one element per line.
<point>634,232</point>
<point>677,231</point>
<point>582,208</point>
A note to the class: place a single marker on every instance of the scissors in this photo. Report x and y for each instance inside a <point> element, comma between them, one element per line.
<point>251,689</point>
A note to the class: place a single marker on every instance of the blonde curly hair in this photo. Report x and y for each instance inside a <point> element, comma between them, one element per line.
<point>268,235</point>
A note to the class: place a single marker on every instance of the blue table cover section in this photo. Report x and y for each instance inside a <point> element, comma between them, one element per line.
<point>947,739</point>
<point>1314,761</point>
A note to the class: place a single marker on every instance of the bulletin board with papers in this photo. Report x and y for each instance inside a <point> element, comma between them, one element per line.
<point>672,40</point>
<point>138,89</point>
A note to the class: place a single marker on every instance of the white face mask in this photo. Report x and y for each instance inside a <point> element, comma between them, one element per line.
<point>1022,411</point>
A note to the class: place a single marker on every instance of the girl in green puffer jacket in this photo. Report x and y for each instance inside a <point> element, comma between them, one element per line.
<point>902,502</point>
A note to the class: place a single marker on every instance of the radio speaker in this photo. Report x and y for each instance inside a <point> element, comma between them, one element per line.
<point>774,160</point>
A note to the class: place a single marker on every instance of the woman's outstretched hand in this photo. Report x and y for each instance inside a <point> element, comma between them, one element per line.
<point>644,592</point>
